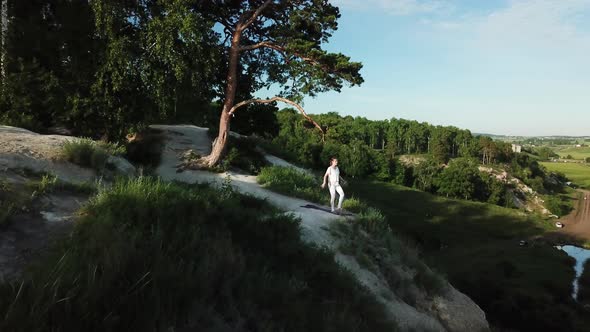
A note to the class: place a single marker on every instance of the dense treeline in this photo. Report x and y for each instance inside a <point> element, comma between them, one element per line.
<point>392,137</point>
<point>107,68</point>
<point>443,160</point>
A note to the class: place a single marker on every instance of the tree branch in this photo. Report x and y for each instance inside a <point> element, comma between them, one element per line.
<point>266,44</point>
<point>284,53</point>
<point>281,99</point>
<point>252,18</point>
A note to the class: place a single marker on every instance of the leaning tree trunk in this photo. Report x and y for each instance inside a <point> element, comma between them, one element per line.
<point>219,143</point>
<point>230,94</point>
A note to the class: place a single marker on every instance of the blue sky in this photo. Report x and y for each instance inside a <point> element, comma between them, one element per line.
<point>514,67</point>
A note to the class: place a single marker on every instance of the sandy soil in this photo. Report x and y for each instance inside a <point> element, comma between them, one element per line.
<point>577,223</point>
<point>20,148</point>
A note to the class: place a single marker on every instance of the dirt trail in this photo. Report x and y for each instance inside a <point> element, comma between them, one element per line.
<point>455,307</point>
<point>577,223</point>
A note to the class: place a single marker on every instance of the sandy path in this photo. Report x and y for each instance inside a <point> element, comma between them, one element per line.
<point>314,223</point>
<point>577,223</point>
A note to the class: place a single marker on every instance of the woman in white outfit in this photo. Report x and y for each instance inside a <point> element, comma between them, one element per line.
<point>333,177</point>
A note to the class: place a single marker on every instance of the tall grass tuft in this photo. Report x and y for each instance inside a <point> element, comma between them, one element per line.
<point>48,183</point>
<point>289,181</point>
<point>354,205</point>
<point>153,256</point>
<point>86,153</point>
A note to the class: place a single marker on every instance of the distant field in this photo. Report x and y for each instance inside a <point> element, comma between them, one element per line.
<point>577,172</point>
<point>577,153</point>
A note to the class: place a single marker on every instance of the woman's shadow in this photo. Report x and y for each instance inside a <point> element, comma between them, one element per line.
<point>325,209</point>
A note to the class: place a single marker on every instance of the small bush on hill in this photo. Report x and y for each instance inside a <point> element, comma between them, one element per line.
<point>354,205</point>
<point>560,205</point>
<point>243,154</point>
<point>289,181</point>
<point>46,184</point>
<point>86,153</point>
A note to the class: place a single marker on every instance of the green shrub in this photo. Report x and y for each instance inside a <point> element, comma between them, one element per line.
<point>45,185</point>
<point>87,153</point>
<point>373,221</point>
<point>243,154</point>
<point>354,205</point>
<point>78,152</point>
<point>111,148</point>
<point>49,183</point>
<point>153,256</point>
<point>289,181</point>
<point>560,205</point>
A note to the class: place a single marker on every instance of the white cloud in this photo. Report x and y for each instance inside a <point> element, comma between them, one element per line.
<point>396,7</point>
<point>535,24</point>
<point>554,26</point>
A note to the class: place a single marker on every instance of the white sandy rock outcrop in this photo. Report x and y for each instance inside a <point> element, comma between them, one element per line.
<point>24,149</point>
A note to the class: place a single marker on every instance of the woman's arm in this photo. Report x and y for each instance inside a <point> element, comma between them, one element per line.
<point>326,177</point>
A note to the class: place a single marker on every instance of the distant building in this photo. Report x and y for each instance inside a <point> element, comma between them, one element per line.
<point>516,148</point>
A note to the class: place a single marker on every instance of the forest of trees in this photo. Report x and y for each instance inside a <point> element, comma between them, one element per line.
<point>446,159</point>
<point>106,68</point>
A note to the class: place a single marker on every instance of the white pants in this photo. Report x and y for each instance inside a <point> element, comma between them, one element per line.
<point>333,189</point>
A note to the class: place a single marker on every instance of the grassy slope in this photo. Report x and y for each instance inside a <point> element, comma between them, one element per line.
<point>577,172</point>
<point>154,256</point>
<point>476,245</point>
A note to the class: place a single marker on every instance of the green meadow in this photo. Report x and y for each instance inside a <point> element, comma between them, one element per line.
<point>580,153</point>
<point>579,173</point>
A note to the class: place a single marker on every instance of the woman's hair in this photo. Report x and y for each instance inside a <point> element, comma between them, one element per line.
<point>332,159</point>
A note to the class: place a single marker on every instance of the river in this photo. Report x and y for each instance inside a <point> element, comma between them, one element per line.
<point>581,255</point>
